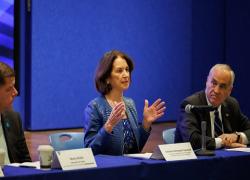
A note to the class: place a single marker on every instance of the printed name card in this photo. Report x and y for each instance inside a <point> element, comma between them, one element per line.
<point>178,151</point>
<point>76,159</point>
<point>1,172</point>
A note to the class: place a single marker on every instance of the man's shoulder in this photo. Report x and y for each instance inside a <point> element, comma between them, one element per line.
<point>197,98</point>
<point>231,101</point>
<point>11,115</point>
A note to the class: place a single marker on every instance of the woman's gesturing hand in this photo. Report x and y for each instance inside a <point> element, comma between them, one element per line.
<point>153,112</point>
<point>116,115</point>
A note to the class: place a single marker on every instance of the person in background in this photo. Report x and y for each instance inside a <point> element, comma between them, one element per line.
<point>111,121</point>
<point>12,139</point>
<point>226,125</point>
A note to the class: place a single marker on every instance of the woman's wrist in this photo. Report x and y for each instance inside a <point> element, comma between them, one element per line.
<point>108,127</point>
<point>146,125</point>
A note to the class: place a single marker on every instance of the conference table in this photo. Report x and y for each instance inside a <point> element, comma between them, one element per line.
<point>224,165</point>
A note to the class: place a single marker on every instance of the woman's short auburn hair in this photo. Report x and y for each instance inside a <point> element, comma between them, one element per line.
<point>104,70</point>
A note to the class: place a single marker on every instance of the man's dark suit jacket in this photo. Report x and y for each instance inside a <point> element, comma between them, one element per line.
<point>188,128</point>
<point>14,137</point>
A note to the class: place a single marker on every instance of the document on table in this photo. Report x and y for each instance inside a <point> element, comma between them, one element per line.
<point>139,155</point>
<point>239,149</point>
<point>35,164</point>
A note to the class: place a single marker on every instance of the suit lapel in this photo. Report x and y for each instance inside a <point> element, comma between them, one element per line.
<point>5,123</point>
<point>226,118</point>
<point>7,134</point>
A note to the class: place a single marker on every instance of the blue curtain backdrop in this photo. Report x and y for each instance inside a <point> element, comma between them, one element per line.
<point>69,37</point>
<point>237,48</point>
<point>173,43</point>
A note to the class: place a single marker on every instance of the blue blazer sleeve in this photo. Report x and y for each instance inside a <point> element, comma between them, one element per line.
<point>95,135</point>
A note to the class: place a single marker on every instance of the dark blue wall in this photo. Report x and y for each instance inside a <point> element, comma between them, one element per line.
<point>69,37</point>
<point>208,39</point>
<point>237,48</point>
<point>220,34</point>
<point>174,43</point>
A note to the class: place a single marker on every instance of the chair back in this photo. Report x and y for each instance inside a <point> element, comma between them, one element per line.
<point>66,140</point>
<point>168,136</point>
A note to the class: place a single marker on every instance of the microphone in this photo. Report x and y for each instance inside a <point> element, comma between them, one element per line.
<point>203,135</point>
<point>203,151</point>
<point>198,108</point>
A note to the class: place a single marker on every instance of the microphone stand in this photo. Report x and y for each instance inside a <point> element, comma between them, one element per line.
<point>203,151</point>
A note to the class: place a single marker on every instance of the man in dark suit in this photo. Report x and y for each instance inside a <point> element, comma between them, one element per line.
<point>12,139</point>
<point>226,126</point>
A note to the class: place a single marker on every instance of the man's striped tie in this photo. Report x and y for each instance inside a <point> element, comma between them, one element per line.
<point>218,127</point>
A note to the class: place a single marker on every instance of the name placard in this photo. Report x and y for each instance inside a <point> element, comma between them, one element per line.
<point>76,159</point>
<point>178,151</point>
<point>1,172</point>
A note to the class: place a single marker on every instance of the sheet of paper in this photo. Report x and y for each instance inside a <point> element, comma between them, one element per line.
<point>1,173</point>
<point>35,164</point>
<point>239,149</point>
<point>139,155</point>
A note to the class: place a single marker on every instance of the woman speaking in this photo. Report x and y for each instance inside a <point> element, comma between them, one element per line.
<point>111,121</point>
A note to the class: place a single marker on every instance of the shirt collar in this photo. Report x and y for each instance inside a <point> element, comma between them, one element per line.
<point>208,103</point>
